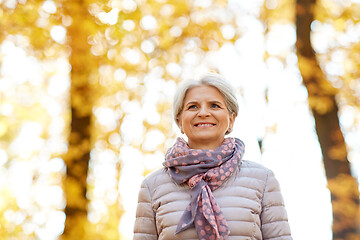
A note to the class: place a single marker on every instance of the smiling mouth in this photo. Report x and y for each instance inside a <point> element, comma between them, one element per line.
<point>204,125</point>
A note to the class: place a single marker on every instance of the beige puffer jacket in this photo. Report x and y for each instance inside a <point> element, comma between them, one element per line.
<point>250,201</point>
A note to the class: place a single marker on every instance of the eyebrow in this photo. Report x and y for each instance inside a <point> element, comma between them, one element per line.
<point>218,102</point>
<point>190,102</point>
<point>195,102</point>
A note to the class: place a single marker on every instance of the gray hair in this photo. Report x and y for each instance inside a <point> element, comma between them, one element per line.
<point>213,80</point>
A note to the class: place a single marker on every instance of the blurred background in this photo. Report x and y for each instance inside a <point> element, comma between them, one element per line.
<point>85,106</point>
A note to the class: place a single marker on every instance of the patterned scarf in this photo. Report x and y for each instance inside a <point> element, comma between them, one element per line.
<point>204,171</point>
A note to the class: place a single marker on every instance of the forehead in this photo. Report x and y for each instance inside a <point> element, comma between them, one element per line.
<point>203,93</point>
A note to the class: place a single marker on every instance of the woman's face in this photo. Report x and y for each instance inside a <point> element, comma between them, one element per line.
<point>205,117</point>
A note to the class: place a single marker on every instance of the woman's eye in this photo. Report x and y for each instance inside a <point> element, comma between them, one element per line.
<point>191,106</point>
<point>215,105</point>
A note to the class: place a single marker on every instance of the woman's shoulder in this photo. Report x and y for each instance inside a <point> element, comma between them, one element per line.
<point>251,164</point>
<point>157,177</point>
<point>159,184</point>
<point>156,172</point>
<point>254,170</point>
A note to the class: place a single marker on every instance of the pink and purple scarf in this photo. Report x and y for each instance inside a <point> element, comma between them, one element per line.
<point>204,171</point>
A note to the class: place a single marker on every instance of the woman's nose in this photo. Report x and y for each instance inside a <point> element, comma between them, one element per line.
<point>203,111</point>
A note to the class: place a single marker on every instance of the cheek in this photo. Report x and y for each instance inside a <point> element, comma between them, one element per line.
<point>183,121</point>
<point>228,121</point>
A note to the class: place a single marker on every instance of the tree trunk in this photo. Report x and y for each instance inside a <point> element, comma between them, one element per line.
<point>322,101</point>
<point>77,158</point>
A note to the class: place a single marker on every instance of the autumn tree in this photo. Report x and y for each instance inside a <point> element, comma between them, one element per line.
<point>323,100</point>
<point>323,104</point>
<point>83,67</point>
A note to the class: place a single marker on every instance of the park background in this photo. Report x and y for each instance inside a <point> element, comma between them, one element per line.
<point>85,106</point>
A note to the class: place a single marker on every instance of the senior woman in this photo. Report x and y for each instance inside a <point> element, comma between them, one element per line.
<point>206,190</point>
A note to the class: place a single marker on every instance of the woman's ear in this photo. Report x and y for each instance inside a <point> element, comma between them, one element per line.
<point>179,123</point>
<point>231,120</point>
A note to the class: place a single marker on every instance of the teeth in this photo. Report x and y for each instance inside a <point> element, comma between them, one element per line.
<point>204,125</point>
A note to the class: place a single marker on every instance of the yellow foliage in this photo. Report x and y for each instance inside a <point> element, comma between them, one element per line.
<point>75,192</point>
<point>77,151</point>
<point>81,105</point>
<point>11,229</point>
<point>279,11</point>
<point>344,189</point>
<point>3,128</point>
<point>320,104</point>
<point>106,227</point>
<point>340,24</point>
<point>80,228</point>
<point>307,67</point>
<point>338,151</point>
<point>343,186</point>
<point>320,92</point>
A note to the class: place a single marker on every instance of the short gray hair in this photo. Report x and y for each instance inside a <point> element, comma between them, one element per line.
<point>213,80</point>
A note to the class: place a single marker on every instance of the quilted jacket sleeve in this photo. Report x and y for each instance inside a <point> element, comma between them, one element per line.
<point>145,225</point>
<point>274,220</point>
